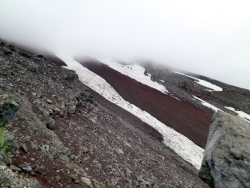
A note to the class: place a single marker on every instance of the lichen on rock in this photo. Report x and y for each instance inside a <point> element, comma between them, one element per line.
<point>8,108</point>
<point>7,111</point>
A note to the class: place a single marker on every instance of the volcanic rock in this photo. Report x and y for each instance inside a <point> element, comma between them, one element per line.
<point>226,161</point>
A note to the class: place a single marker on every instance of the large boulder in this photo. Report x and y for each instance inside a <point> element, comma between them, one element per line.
<point>226,161</point>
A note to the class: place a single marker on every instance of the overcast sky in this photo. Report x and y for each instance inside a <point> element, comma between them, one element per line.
<point>205,37</point>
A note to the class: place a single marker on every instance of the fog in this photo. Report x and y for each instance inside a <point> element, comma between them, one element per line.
<point>205,37</point>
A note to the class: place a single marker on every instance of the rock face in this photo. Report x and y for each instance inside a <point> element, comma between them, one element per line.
<point>226,161</point>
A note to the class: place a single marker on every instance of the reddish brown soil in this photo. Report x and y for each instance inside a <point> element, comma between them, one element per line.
<point>123,114</point>
<point>182,116</point>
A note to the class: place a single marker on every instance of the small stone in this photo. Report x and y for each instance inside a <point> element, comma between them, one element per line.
<point>15,169</point>
<point>33,146</point>
<point>96,183</point>
<point>39,170</point>
<point>86,158</point>
<point>32,173</point>
<point>86,181</point>
<point>58,178</point>
<point>63,113</point>
<point>139,178</point>
<point>120,151</point>
<point>77,159</point>
<point>64,158</point>
<point>113,182</point>
<point>128,172</point>
<point>117,174</point>
<point>51,124</point>
<point>26,168</point>
<point>24,148</point>
<point>150,182</point>
<point>49,101</point>
<point>56,111</point>
<point>72,157</point>
<point>45,147</point>
<point>76,181</point>
<point>84,149</point>
<point>72,109</point>
<point>72,177</point>
<point>51,157</point>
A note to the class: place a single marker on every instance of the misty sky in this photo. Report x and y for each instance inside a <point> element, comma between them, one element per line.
<point>205,37</point>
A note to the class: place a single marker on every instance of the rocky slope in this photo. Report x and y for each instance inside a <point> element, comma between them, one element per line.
<point>183,87</point>
<point>66,135</point>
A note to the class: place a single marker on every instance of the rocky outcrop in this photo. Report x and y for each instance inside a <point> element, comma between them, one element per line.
<point>8,145</point>
<point>10,179</point>
<point>226,162</point>
<point>8,108</point>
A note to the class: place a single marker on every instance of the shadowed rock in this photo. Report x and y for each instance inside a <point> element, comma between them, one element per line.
<point>226,161</point>
<point>8,109</point>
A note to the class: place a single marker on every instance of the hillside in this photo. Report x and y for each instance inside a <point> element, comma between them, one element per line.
<point>182,116</point>
<point>67,135</point>
<point>57,132</point>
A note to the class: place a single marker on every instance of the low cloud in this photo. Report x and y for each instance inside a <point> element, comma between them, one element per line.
<point>204,37</point>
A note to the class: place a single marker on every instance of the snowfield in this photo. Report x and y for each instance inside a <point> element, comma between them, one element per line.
<point>184,147</point>
<point>240,113</point>
<point>135,72</point>
<point>203,83</point>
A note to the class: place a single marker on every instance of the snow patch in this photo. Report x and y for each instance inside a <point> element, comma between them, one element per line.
<point>184,147</point>
<point>203,82</point>
<point>135,72</point>
<point>244,115</point>
<point>149,75</point>
<point>174,97</point>
<point>207,104</point>
<point>162,81</point>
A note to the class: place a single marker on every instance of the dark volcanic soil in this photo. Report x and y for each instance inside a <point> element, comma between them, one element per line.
<point>184,117</point>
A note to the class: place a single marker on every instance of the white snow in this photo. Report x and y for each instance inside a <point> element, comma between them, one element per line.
<point>244,115</point>
<point>184,147</point>
<point>149,74</point>
<point>174,97</point>
<point>203,83</point>
<point>207,104</point>
<point>161,80</point>
<point>135,72</point>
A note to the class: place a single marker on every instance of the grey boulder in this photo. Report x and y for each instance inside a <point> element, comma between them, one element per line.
<point>226,161</point>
